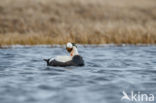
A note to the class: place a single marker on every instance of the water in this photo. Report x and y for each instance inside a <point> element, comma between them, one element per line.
<point>108,71</point>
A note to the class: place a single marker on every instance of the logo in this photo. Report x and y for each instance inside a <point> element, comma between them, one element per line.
<point>138,96</point>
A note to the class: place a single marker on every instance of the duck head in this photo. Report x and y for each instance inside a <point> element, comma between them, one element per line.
<point>72,49</point>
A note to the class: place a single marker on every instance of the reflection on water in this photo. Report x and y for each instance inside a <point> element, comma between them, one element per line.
<point>109,70</point>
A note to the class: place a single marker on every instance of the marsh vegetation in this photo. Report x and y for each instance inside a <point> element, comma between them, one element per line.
<point>81,21</point>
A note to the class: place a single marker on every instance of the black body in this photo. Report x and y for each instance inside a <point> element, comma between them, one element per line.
<point>77,60</point>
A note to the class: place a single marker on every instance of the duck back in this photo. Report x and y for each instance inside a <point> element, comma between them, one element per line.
<point>77,60</point>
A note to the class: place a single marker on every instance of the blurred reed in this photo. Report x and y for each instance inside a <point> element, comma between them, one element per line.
<point>31,22</point>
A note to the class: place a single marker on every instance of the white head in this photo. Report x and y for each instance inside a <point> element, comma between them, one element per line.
<point>69,45</point>
<point>72,49</point>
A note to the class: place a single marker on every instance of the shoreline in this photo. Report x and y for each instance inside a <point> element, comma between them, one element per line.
<point>63,45</point>
<point>100,38</point>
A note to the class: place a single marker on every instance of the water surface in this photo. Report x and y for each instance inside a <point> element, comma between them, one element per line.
<point>108,70</point>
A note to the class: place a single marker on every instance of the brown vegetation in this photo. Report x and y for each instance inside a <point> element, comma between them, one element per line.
<point>81,21</point>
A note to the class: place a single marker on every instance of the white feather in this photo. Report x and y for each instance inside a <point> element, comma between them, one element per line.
<point>51,59</point>
<point>69,45</point>
<point>63,58</point>
<point>75,51</point>
<point>66,58</point>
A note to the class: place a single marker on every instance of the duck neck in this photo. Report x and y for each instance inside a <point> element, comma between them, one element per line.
<point>74,51</point>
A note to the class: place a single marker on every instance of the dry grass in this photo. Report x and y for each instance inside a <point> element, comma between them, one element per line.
<point>81,21</point>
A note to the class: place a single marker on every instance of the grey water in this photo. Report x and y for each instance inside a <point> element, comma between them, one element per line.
<point>109,70</point>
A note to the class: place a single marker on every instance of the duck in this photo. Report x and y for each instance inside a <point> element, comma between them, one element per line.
<point>73,60</point>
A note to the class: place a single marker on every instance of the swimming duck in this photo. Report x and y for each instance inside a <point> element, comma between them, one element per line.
<point>73,60</point>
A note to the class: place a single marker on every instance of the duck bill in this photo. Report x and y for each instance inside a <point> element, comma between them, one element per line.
<point>72,53</point>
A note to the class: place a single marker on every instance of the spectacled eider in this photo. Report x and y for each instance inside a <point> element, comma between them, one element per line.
<point>73,60</point>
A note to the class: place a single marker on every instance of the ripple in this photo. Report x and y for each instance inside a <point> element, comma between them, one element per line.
<point>25,78</point>
<point>46,87</point>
